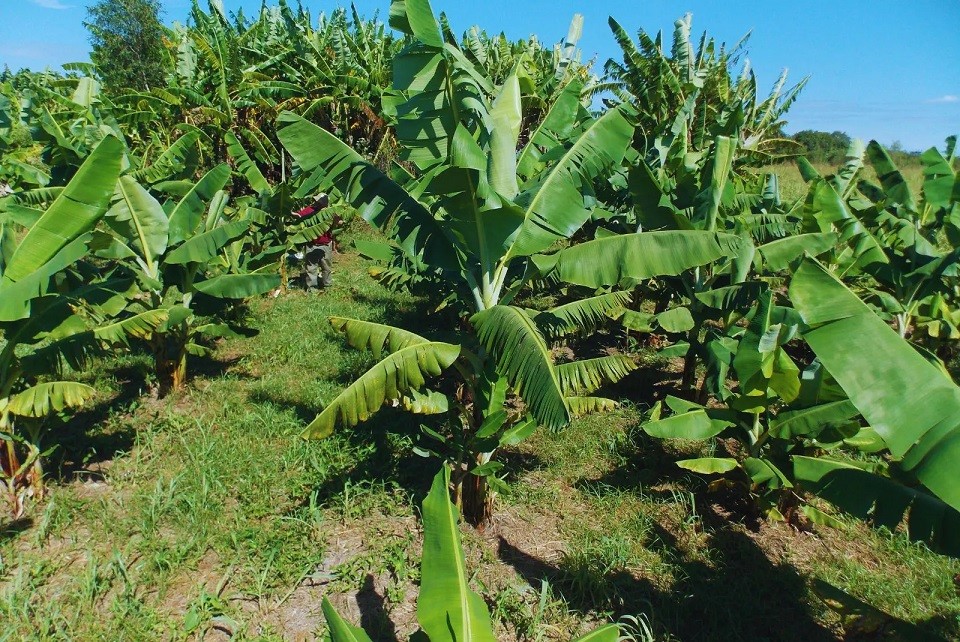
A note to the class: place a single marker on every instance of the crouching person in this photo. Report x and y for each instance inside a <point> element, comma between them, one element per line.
<point>318,254</point>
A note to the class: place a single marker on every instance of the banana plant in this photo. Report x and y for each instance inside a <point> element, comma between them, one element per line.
<point>699,78</point>
<point>775,411</point>
<point>678,187</point>
<point>175,252</point>
<point>471,215</point>
<point>35,315</point>
<point>448,610</point>
<point>902,249</point>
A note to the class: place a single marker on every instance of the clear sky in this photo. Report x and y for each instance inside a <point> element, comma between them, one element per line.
<point>884,69</point>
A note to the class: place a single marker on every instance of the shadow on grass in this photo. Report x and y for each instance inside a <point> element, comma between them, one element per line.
<point>94,436</point>
<point>739,595</point>
<point>305,413</point>
<point>384,446</point>
<point>12,529</point>
<point>214,368</point>
<point>417,315</point>
<point>91,437</point>
<point>374,618</point>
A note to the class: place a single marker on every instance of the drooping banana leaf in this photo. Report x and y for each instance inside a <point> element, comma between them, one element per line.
<point>580,406</point>
<point>811,421</point>
<point>15,296</point>
<point>780,253</point>
<point>238,286</point>
<point>203,247</point>
<point>523,358</point>
<point>607,261</point>
<point>732,298</point>
<point>42,399</point>
<point>582,315</point>
<point>380,339</point>
<point>695,424</point>
<point>587,375</point>
<point>914,408</point>
<point>397,373</point>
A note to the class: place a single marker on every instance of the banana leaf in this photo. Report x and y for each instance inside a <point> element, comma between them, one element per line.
<point>911,405</point>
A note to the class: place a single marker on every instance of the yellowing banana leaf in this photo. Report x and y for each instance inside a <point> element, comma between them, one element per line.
<point>428,402</point>
<point>398,373</point>
<point>709,465</point>
<point>42,399</point>
<point>580,406</point>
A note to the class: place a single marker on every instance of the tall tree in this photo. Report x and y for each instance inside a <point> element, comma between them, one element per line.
<point>127,39</point>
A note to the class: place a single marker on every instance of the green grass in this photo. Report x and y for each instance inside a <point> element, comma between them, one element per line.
<point>205,513</point>
<point>792,186</point>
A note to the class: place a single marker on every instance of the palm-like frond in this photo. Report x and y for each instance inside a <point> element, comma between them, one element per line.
<point>521,355</point>
<point>376,337</point>
<point>580,406</point>
<point>587,375</point>
<point>399,372</point>
<point>44,398</point>
<point>582,315</point>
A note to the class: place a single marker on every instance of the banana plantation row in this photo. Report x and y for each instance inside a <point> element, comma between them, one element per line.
<point>815,336</point>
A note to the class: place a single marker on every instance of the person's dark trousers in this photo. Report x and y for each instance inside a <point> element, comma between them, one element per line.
<point>317,258</point>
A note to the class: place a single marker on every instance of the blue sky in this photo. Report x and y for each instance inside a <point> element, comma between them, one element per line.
<point>888,69</point>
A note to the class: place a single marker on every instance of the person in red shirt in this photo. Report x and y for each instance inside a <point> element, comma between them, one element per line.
<point>318,254</point>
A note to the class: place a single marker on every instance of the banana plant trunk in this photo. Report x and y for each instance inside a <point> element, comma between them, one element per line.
<point>9,465</point>
<point>284,275</point>
<point>473,495</point>
<point>689,377</point>
<point>170,361</point>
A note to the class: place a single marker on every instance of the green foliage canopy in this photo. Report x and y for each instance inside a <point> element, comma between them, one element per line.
<point>127,40</point>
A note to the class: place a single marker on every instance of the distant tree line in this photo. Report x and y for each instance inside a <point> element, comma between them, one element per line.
<point>830,148</point>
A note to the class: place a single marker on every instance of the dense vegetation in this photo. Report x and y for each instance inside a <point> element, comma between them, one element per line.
<point>541,264</point>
